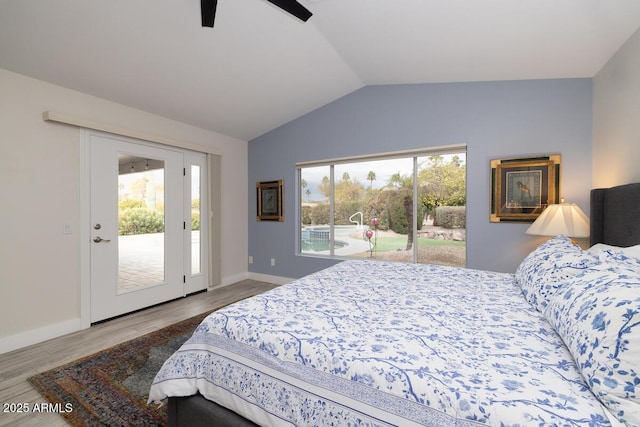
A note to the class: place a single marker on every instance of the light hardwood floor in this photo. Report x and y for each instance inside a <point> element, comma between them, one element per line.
<point>17,366</point>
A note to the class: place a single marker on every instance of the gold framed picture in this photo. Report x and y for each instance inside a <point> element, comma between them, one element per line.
<point>522,188</point>
<point>270,202</point>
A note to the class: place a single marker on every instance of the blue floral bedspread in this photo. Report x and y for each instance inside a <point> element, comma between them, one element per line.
<point>374,343</point>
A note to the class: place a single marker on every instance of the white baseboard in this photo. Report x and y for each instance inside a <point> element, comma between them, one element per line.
<point>278,280</point>
<point>35,336</point>
<point>230,280</point>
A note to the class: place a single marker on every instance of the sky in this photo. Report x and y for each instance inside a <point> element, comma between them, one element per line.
<point>358,171</point>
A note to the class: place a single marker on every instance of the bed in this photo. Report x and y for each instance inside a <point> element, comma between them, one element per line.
<point>374,343</point>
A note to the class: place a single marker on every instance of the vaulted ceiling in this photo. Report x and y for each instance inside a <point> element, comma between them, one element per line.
<point>259,67</point>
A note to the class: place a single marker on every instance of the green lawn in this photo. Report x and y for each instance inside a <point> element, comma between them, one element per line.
<point>384,244</point>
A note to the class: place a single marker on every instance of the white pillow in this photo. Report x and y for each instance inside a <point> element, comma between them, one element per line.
<point>620,260</point>
<point>632,251</point>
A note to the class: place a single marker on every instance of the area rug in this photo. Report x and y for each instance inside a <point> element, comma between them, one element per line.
<point>110,388</point>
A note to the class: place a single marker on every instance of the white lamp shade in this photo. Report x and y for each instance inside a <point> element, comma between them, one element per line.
<point>566,219</point>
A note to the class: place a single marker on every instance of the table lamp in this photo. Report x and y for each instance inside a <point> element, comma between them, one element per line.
<point>564,218</point>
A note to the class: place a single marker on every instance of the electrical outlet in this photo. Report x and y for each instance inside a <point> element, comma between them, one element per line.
<point>250,260</point>
<point>273,262</point>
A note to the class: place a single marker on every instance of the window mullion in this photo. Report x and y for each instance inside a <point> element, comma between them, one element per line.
<point>331,211</point>
<point>415,210</point>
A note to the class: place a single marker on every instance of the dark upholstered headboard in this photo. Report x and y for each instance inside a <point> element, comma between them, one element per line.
<point>615,215</point>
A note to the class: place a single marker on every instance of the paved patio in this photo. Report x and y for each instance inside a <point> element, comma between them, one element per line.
<point>141,260</point>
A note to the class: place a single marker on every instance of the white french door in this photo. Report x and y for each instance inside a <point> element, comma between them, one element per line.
<point>146,236</point>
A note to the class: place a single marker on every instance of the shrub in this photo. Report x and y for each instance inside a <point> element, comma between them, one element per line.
<point>195,220</point>
<point>451,216</point>
<point>131,203</point>
<point>377,209</point>
<point>140,221</point>
<point>320,214</point>
<point>397,216</point>
<point>344,210</point>
<point>397,213</point>
<point>306,214</point>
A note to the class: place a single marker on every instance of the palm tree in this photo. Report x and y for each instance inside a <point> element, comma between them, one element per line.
<point>303,184</point>
<point>371,176</point>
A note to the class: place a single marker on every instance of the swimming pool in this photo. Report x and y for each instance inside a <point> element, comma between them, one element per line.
<point>317,239</point>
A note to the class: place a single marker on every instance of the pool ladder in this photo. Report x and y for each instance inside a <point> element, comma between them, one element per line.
<point>356,221</point>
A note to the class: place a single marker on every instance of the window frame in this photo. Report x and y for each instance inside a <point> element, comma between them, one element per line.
<point>331,163</point>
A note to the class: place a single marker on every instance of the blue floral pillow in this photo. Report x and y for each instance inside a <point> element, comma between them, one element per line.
<point>597,314</point>
<point>548,266</point>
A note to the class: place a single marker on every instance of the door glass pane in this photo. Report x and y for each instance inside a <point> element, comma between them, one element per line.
<point>140,223</point>
<point>195,219</point>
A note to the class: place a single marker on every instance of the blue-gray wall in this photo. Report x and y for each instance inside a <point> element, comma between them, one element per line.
<point>495,120</point>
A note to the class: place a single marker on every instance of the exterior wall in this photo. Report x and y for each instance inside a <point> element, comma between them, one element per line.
<point>495,119</point>
<point>40,175</point>
<point>616,118</point>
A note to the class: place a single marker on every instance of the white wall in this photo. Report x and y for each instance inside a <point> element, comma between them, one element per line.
<point>39,175</point>
<point>616,118</point>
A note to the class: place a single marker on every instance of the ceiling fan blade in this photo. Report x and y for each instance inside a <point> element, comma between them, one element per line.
<point>293,7</point>
<point>208,10</point>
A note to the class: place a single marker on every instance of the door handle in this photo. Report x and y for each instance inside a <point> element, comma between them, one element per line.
<point>99,239</point>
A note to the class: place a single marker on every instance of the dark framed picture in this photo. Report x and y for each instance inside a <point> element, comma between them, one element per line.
<point>269,201</point>
<point>522,188</point>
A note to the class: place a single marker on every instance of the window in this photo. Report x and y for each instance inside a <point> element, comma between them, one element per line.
<point>398,207</point>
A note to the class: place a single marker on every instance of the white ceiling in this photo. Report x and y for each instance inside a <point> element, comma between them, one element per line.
<point>259,67</point>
